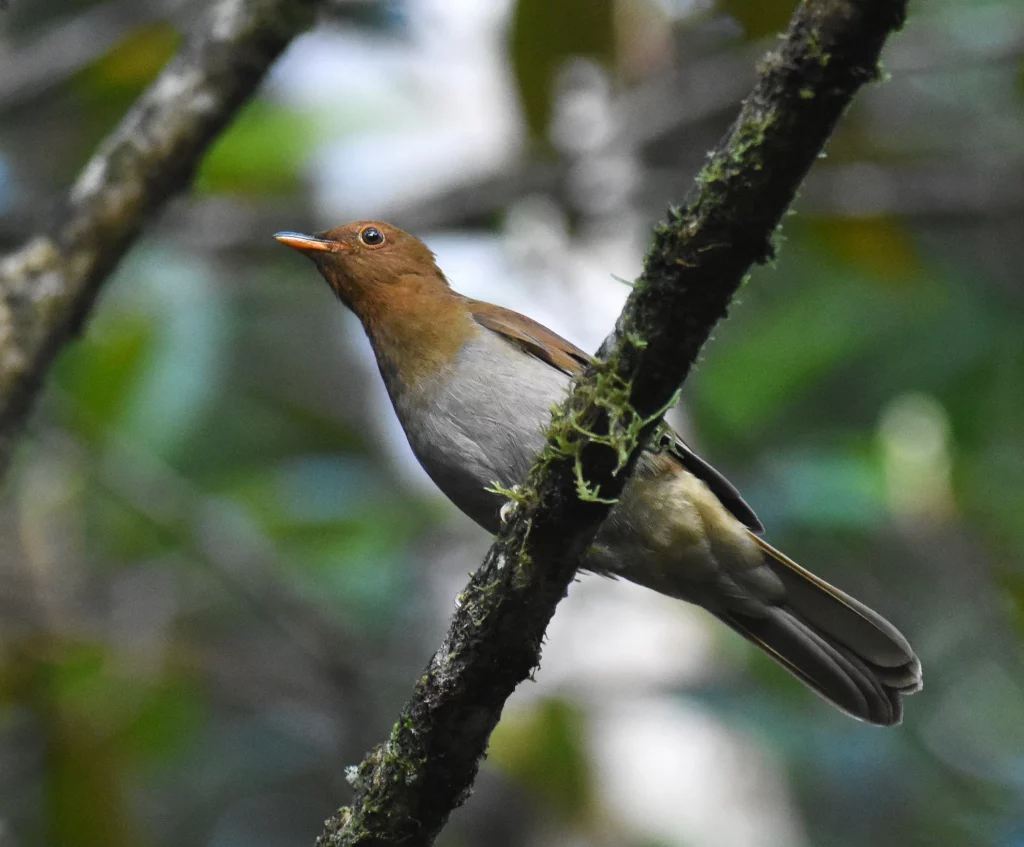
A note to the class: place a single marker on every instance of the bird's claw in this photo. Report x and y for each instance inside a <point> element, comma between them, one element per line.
<point>509,508</point>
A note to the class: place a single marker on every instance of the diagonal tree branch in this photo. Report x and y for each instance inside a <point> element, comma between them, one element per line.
<point>48,287</point>
<point>407,787</point>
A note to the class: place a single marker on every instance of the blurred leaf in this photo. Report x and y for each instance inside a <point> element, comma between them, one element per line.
<point>153,359</point>
<point>832,489</point>
<point>187,366</point>
<point>125,534</point>
<point>749,380</point>
<point>759,18</point>
<point>100,370</point>
<point>877,246</point>
<point>992,490</point>
<point>75,674</point>
<point>349,550</point>
<point>86,804</point>
<point>543,745</point>
<point>307,491</point>
<point>171,715</point>
<point>148,719</point>
<point>543,36</point>
<point>1011,582</point>
<point>265,151</point>
<point>135,61</point>
<point>361,574</point>
<point>100,725</point>
<point>251,429</point>
<point>944,346</point>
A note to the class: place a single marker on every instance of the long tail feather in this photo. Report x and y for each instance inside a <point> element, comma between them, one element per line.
<point>847,653</point>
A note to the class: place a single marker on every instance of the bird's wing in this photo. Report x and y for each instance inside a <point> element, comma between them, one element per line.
<point>540,342</point>
<point>719,485</point>
<point>531,337</point>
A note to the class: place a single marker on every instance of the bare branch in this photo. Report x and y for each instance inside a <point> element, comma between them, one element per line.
<point>48,287</point>
<point>407,787</point>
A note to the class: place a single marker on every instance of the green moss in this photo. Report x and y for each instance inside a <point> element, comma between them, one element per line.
<point>609,393</point>
<point>518,494</point>
<point>814,50</point>
<point>524,566</point>
<point>399,761</point>
<point>637,340</point>
<point>743,152</point>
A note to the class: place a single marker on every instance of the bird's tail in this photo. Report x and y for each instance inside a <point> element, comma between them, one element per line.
<point>844,651</point>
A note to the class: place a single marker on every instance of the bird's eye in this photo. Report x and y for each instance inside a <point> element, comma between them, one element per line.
<point>371,237</point>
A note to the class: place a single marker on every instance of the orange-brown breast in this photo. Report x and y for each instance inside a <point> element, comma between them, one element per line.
<point>416,327</point>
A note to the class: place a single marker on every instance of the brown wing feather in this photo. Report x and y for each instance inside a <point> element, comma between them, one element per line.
<point>532,337</point>
<point>540,342</point>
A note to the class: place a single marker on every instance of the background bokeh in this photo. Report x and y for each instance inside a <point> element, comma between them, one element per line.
<point>221,570</point>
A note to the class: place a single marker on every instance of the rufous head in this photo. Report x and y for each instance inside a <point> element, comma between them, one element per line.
<point>366,259</point>
<point>415,322</point>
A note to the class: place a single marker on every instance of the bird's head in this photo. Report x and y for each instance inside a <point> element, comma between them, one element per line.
<point>367,260</point>
<point>415,322</point>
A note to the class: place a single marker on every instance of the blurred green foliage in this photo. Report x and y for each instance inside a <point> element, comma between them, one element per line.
<point>759,18</point>
<point>263,152</point>
<point>544,746</point>
<point>544,35</point>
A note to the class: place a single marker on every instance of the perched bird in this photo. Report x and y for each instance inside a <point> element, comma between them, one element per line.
<point>473,385</point>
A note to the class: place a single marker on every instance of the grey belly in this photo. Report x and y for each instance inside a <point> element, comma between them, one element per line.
<point>483,428</point>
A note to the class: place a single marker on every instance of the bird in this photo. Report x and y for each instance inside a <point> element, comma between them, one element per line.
<point>473,385</point>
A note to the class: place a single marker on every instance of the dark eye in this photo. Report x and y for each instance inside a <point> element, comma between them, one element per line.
<point>371,237</point>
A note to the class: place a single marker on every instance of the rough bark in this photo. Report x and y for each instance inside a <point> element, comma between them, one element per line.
<point>407,787</point>
<point>48,286</point>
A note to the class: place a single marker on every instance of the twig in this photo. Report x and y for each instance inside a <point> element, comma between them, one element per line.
<point>407,787</point>
<point>48,287</point>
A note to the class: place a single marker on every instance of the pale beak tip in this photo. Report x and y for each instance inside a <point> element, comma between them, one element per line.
<point>304,243</point>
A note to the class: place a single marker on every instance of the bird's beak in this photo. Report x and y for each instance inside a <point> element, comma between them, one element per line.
<point>310,243</point>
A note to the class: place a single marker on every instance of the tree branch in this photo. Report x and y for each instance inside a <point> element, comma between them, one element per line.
<point>407,787</point>
<point>48,287</point>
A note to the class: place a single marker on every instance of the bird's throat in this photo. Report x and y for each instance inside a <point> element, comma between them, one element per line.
<point>415,331</point>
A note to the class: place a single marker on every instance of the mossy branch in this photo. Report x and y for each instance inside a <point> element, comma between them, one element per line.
<point>47,288</point>
<point>407,787</point>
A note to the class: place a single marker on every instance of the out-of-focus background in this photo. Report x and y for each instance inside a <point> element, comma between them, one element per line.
<point>221,571</point>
